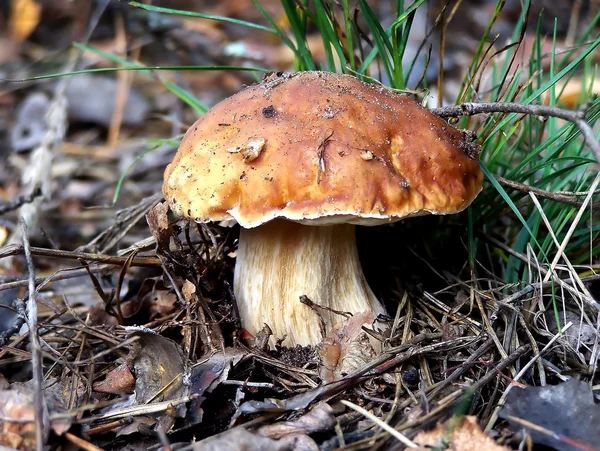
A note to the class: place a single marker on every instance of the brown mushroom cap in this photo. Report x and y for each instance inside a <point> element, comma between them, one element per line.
<point>320,148</point>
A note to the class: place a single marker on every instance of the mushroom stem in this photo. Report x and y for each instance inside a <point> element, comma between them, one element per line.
<point>280,261</point>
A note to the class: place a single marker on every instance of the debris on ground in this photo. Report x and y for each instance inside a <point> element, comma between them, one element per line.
<point>565,417</point>
<point>141,345</point>
<point>457,434</point>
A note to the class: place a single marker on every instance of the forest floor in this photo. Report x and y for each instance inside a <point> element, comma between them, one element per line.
<point>138,344</point>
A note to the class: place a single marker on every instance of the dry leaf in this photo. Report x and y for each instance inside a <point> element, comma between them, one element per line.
<point>319,419</point>
<point>158,366</point>
<point>17,428</point>
<point>156,298</point>
<point>465,436</point>
<point>581,334</point>
<point>99,316</point>
<point>159,373</point>
<point>567,412</point>
<point>24,17</point>
<point>159,224</point>
<point>346,348</point>
<point>188,291</point>
<point>100,95</point>
<point>205,378</point>
<point>119,380</point>
<point>30,125</point>
<point>138,424</point>
<point>241,439</point>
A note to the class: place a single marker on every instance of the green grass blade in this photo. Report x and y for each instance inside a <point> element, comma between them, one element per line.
<point>397,22</point>
<point>299,30</point>
<point>551,82</point>
<point>300,55</point>
<point>349,34</point>
<point>478,52</point>
<point>156,145</point>
<point>383,46</point>
<point>508,200</point>
<point>136,68</point>
<point>178,91</point>
<point>178,12</point>
<point>330,38</point>
<point>183,94</point>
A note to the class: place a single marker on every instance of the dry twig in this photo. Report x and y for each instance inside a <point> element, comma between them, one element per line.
<point>520,374</point>
<point>576,117</point>
<point>20,319</point>
<point>555,197</point>
<point>61,274</point>
<point>20,201</point>
<point>15,249</point>
<point>41,413</point>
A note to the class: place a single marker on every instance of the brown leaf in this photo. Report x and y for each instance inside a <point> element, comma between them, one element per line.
<point>241,439</point>
<point>165,303</point>
<point>17,427</point>
<point>24,17</point>
<point>99,316</point>
<point>206,376</point>
<point>319,419</point>
<point>119,380</point>
<point>188,291</point>
<point>159,373</point>
<point>346,348</point>
<point>466,436</point>
<point>158,364</point>
<point>154,296</point>
<point>139,424</point>
<point>158,221</point>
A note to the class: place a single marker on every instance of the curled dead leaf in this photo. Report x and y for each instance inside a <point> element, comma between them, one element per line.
<point>159,224</point>
<point>160,372</point>
<point>346,348</point>
<point>119,380</point>
<point>188,291</point>
<point>320,418</point>
<point>205,378</point>
<point>241,439</point>
<point>156,298</point>
<point>464,436</point>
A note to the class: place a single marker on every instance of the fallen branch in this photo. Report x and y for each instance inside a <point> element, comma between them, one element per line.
<point>19,201</point>
<point>15,249</point>
<point>41,413</point>
<point>61,274</point>
<point>576,117</point>
<point>19,320</point>
<point>555,197</point>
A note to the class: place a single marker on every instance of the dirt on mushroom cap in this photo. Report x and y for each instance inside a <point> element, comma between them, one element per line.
<point>294,146</point>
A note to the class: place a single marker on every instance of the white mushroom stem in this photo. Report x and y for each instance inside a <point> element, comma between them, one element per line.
<point>280,261</point>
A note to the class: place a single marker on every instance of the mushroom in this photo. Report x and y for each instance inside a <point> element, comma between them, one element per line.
<point>298,160</point>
